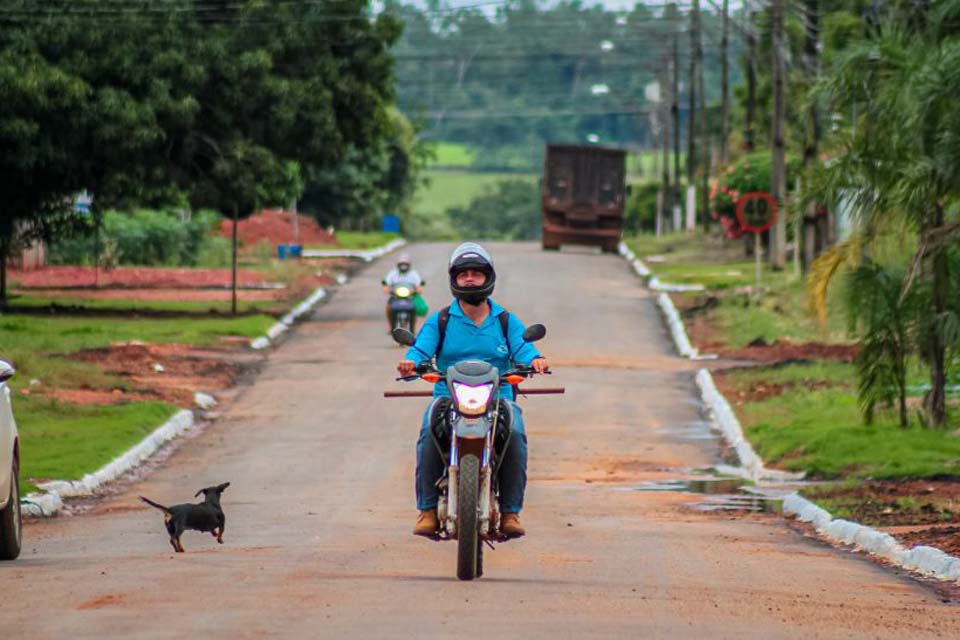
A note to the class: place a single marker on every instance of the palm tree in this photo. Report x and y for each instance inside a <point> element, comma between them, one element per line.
<point>900,168</point>
<point>883,320</point>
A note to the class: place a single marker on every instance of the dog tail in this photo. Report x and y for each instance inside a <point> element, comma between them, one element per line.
<point>154,504</point>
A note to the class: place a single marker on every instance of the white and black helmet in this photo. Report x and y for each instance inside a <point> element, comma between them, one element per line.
<point>471,255</point>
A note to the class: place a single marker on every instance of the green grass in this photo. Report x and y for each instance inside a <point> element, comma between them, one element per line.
<point>782,312</point>
<point>64,442</point>
<point>821,431</point>
<point>448,189</point>
<point>39,346</point>
<point>361,239</point>
<point>453,154</point>
<point>30,301</point>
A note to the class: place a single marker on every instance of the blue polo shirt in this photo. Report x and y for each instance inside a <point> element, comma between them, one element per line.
<point>464,340</point>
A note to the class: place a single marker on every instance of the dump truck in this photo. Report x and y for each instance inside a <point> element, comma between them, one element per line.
<point>583,193</point>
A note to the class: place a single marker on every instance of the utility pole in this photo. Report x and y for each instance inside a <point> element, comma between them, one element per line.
<point>692,119</point>
<point>749,134</point>
<point>811,58</point>
<point>778,175</point>
<point>664,209</point>
<point>704,125</point>
<point>724,85</point>
<point>675,112</point>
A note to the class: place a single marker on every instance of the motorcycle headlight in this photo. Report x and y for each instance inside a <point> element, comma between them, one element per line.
<point>472,401</point>
<point>402,292</point>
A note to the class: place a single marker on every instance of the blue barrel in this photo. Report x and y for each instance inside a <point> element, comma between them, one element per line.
<point>296,250</point>
<point>283,251</point>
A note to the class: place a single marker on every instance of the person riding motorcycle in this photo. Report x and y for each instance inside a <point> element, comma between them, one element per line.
<point>473,332</point>
<point>402,273</point>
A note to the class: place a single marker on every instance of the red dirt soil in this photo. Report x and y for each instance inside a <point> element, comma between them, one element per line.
<point>133,278</point>
<point>276,227</point>
<point>186,369</point>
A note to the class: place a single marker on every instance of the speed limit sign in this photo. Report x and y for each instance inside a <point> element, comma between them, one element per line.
<point>756,211</point>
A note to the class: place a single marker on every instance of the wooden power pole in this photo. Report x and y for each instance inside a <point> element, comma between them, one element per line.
<point>724,86</point>
<point>778,174</point>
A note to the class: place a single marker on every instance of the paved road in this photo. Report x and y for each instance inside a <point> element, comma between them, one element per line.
<point>318,537</point>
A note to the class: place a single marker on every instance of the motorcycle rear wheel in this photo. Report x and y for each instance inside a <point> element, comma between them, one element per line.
<point>468,539</point>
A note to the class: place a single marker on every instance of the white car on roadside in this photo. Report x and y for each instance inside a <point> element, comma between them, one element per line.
<point>10,525</point>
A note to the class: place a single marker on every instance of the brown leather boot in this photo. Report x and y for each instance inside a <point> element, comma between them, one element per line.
<point>510,525</point>
<point>427,523</point>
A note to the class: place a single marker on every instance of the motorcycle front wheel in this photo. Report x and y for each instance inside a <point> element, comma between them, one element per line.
<point>468,539</point>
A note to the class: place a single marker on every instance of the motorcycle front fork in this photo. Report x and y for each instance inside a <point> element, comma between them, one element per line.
<point>447,506</point>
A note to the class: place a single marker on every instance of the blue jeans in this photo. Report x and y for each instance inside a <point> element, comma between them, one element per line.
<point>513,467</point>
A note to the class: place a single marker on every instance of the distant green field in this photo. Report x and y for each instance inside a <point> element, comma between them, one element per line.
<point>452,154</point>
<point>456,155</point>
<point>457,188</point>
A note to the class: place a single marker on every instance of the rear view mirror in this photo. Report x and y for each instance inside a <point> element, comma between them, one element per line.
<point>404,336</point>
<point>534,332</point>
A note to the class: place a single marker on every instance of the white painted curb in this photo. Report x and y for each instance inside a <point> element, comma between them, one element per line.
<point>288,320</point>
<point>924,560</point>
<point>725,422</point>
<point>675,324</point>
<point>307,305</point>
<point>51,501</point>
<point>658,285</point>
<point>637,264</point>
<point>367,255</point>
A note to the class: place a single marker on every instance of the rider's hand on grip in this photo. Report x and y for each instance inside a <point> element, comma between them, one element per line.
<point>540,365</point>
<point>406,368</point>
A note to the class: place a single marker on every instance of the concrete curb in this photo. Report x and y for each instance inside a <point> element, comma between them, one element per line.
<point>307,305</point>
<point>927,561</point>
<point>725,422</point>
<point>289,320</point>
<point>51,501</point>
<point>677,330</point>
<point>367,255</point>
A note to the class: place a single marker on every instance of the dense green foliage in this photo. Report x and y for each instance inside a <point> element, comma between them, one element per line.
<point>510,211</point>
<point>143,237</point>
<point>227,105</point>
<point>508,79</point>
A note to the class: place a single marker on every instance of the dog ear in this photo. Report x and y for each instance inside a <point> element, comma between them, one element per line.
<point>221,487</point>
<point>197,494</point>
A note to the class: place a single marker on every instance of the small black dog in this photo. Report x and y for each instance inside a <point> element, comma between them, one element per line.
<point>206,516</point>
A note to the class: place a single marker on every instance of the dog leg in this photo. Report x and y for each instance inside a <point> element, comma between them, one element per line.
<point>175,543</point>
<point>220,536</point>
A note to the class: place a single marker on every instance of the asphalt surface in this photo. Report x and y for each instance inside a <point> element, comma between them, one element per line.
<point>321,505</point>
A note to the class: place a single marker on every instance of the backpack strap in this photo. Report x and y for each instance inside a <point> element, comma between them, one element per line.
<point>444,319</point>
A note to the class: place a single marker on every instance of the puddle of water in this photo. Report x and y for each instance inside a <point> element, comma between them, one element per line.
<point>724,494</point>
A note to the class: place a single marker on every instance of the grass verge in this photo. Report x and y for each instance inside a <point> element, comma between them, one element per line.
<point>39,346</point>
<point>64,442</point>
<point>811,422</point>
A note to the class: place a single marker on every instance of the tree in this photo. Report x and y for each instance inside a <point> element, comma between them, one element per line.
<point>900,165</point>
<point>42,110</point>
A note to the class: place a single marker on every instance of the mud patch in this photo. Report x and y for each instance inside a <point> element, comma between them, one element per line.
<point>915,512</point>
<point>168,372</point>
<point>762,390</point>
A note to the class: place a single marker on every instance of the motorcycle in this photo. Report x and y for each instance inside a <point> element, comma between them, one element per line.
<point>402,310</point>
<point>471,431</point>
